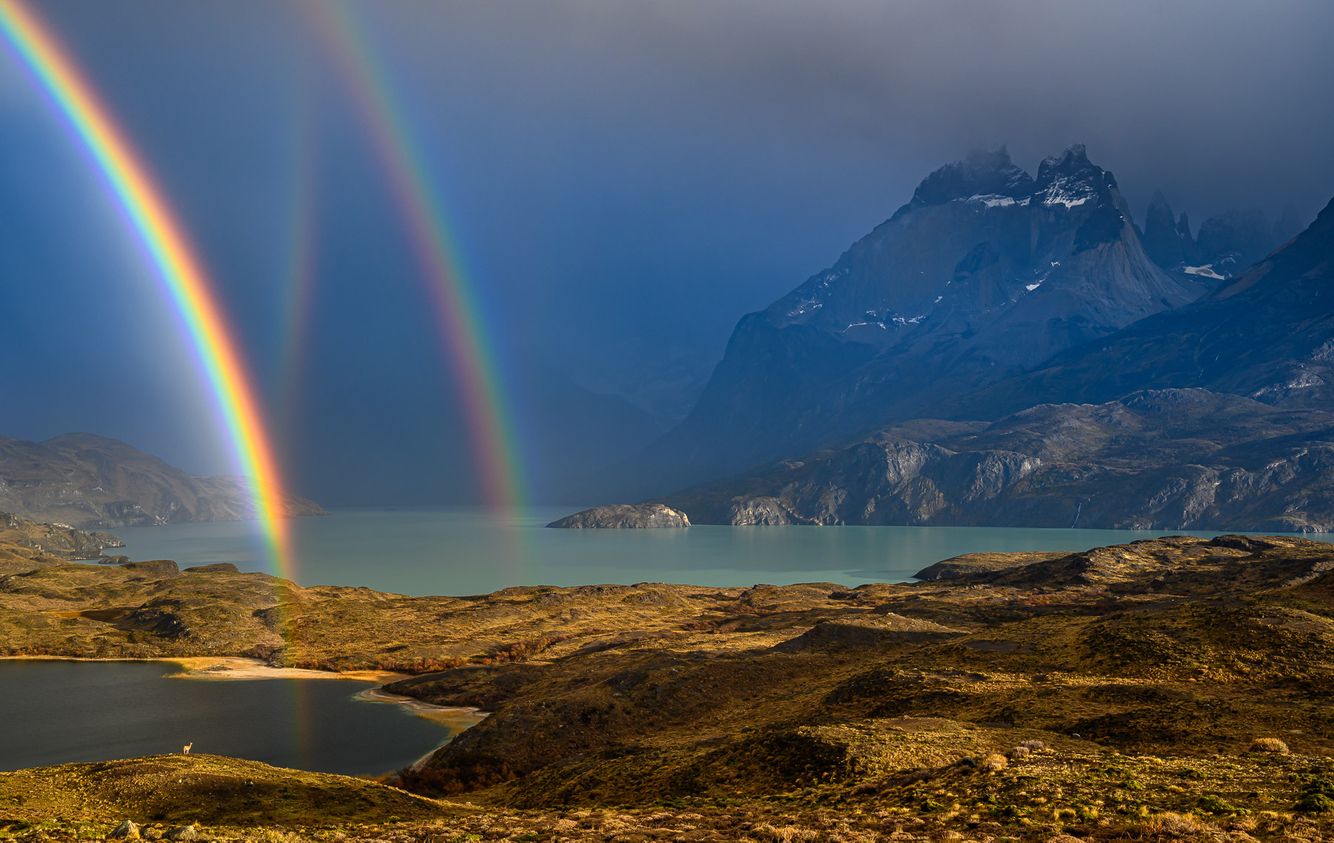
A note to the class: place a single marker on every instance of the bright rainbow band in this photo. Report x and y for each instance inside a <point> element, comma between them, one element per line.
<point>186,282</point>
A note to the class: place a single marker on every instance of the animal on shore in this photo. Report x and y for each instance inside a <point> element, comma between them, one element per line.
<point>185,750</point>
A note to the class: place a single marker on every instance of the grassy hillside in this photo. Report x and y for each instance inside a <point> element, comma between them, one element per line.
<point>1170,689</point>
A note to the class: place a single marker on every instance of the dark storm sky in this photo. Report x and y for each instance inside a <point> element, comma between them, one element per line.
<point>626,180</point>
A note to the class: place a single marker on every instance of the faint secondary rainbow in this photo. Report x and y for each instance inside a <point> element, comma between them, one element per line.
<point>462,327</point>
<point>297,274</point>
<point>182,275</point>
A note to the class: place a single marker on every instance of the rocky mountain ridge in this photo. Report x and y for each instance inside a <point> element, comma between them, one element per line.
<point>1173,459</point>
<point>1267,334</point>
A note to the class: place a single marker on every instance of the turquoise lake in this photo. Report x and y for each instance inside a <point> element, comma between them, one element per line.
<point>469,551</point>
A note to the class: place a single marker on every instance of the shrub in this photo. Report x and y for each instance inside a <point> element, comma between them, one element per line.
<point>993,762</point>
<point>1169,824</point>
<point>785,833</point>
<point>1315,803</point>
<point>1218,805</point>
<point>1317,795</point>
<point>1269,745</point>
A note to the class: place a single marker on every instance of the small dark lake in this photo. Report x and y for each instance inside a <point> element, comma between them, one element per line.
<point>57,712</point>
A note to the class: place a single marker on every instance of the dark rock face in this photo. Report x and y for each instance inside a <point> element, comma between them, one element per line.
<point>623,516</point>
<point>986,271</point>
<point>91,481</point>
<point>1161,459</point>
<point>1168,243</point>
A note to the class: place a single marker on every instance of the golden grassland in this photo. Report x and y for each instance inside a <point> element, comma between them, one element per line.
<point>1177,689</point>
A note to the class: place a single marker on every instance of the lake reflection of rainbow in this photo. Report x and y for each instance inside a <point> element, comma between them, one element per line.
<point>184,278</point>
<point>462,327</point>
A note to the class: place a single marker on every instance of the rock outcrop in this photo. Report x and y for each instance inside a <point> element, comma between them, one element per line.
<point>1228,243</point>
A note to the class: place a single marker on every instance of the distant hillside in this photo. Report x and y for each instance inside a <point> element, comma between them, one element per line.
<point>84,480</point>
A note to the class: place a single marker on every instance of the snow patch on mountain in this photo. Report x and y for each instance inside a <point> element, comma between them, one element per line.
<point>1206,271</point>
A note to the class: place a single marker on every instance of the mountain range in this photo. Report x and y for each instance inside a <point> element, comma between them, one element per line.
<point>83,480</point>
<point>1014,349</point>
<point>985,272</point>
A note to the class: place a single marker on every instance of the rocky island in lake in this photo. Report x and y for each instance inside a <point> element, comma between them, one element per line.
<point>624,516</point>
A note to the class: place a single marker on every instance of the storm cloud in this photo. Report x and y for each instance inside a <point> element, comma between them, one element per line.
<point>625,180</point>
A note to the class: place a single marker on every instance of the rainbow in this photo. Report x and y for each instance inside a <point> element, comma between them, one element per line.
<point>185,281</point>
<point>462,328</point>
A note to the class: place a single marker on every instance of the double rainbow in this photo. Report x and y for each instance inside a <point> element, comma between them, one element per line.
<point>186,283</point>
<point>462,327</point>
